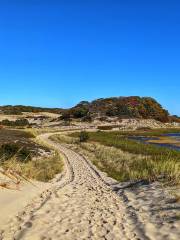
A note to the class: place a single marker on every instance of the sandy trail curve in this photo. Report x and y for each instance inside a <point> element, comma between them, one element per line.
<point>78,206</point>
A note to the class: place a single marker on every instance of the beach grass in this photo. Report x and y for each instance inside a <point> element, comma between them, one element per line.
<point>40,169</point>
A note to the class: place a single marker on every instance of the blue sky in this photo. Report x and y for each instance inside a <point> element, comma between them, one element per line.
<point>56,53</point>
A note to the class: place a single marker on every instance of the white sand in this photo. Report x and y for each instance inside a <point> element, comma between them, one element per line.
<point>13,201</point>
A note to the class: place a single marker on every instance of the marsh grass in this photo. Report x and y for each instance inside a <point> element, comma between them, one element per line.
<point>148,132</point>
<point>124,166</point>
<point>124,160</point>
<point>115,139</point>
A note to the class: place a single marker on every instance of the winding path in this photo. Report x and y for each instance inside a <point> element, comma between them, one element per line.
<point>78,206</point>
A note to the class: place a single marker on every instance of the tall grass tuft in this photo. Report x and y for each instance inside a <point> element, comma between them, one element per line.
<point>41,169</point>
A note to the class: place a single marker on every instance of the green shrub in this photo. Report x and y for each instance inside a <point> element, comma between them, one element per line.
<point>66,116</point>
<point>83,136</point>
<point>79,112</point>
<point>18,123</point>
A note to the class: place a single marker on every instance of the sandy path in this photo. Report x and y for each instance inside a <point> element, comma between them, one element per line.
<point>78,206</point>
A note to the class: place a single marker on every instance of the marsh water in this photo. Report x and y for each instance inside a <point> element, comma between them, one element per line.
<point>171,136</point>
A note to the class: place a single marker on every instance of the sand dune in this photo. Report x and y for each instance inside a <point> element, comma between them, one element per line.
<point>13,201</point>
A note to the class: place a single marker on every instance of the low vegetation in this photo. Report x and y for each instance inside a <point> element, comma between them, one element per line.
<point>17,123</point>
<point>23,159</point>
<point>19,143</point>
<point>13,135</point>
<point>106,127</point>
<point>19,109</point>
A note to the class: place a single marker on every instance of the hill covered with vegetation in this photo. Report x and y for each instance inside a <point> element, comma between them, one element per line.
<point>123,107</point>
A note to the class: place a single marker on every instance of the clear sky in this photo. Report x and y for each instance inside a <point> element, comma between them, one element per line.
<point>56,53</point>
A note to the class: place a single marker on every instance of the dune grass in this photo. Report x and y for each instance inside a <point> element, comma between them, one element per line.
<point>40,169</point>
<point>23,158</point>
